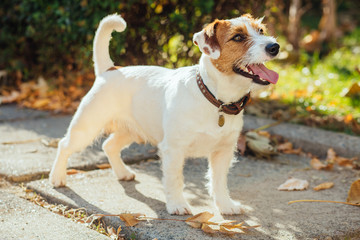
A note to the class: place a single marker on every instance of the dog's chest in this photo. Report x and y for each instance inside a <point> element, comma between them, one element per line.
<point>206,141</point>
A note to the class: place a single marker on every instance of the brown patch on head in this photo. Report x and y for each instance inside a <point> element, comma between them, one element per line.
<point>231,51</point>
<point>259,27</point>
<point>210,36</point>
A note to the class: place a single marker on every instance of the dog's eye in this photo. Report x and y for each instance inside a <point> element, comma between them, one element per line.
<point>238,38</point>
<point>261,31</point>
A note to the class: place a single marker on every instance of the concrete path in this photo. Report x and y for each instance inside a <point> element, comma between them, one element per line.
<point>252,181</point>
<point>21,219</point>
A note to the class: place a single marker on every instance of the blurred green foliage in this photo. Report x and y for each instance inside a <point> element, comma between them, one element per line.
<point>52,37</point>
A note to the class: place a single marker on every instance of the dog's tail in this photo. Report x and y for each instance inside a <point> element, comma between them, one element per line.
<point>101,57</point>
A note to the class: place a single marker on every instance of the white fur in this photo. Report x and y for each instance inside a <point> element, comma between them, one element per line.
<point>161,106</point>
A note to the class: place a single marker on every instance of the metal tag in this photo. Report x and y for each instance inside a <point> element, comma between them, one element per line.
<point>221,120</point>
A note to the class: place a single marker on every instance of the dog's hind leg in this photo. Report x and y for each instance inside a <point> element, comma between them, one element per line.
<point>87,123</point>
<point>112,147</point>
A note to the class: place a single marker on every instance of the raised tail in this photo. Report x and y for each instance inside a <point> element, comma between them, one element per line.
<point>101,56</point>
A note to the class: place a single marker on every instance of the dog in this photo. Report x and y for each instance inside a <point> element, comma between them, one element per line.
<point>193,111</point>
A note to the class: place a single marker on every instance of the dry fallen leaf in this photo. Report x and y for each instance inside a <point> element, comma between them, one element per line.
<point>198,219</point>
<point>322,186</point>
<point>354,193</point>
<point>318,165</point>
<point>72,171</point>
<point>210,228</point>
<point>103,166</point>
<point>14,96</point>
<point>294,184</point>
<point>354,90</point>
<point>230,231</point>
<point>111,232</point>
<point>130,219</point>
<point>331,155</point>
<point>241,144</point>
<point>53,142</point>
<point>260,145</point>
<point>285,146</point>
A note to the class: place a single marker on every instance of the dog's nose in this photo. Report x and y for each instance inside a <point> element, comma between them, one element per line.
<point>272,49</point>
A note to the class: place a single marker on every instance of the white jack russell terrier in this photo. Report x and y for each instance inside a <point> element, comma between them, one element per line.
<point>192,111</point>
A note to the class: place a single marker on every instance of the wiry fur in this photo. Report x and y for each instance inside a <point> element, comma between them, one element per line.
<point>165,107</point>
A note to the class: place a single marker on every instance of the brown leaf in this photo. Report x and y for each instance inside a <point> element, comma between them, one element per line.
<point>354,90</point>
<point>322,186</point>
<point>294,184</point>
<point>354,193</point>
<point>331,155</point>
<point>296,151</point>
<point>118,230</point>
<point>72,171</point>
<point>318,165</point>
<point>264,134</point>
<point>103,166</point>
<point>198,219</point>
<point>40,103</point>
<point>285,146</point>
<point>130,219</point>
<point>345,162</point>
<point>14,96</point>
<point>241,144</point>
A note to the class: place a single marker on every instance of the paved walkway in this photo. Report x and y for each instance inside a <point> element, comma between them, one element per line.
<point>252,181</point>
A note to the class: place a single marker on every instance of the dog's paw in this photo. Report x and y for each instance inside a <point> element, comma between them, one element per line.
<point>57,179</point>
<point>230,208</point>
<point>126,175</point>
<point>178,208</point>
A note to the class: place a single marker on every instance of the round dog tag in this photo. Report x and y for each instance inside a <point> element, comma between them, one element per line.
<point>221,120</point>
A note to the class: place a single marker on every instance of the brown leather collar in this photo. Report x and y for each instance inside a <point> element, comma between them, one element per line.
<point>232,108</point>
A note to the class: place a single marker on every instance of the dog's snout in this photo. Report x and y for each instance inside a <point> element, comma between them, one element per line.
<point>272,49</point>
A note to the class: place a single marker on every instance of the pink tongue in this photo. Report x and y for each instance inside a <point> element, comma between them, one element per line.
<point>264,73</point>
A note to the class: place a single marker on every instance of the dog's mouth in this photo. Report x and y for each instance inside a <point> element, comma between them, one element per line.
<point>258,73</point>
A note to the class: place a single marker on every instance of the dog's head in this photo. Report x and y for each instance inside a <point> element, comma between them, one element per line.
<point>239,46</point>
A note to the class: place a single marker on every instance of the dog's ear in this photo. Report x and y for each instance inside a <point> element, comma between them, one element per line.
<point>207,41</point>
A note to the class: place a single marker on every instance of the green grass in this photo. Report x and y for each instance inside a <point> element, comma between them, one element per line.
<point>320,84</point>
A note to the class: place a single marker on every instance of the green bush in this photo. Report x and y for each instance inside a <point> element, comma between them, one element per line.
<point>53,37</point>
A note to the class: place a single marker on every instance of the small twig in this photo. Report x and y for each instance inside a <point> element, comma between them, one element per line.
<point>268,125</point>
<point>325,201</point>
<point>143,217</point>
<point>21,141</point>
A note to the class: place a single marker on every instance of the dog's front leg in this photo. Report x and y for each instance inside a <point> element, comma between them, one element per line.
<point>219,164</point>
<point>173,180</point>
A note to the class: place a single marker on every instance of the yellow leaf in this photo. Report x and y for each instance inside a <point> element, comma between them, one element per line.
<point>230,231</point>
<point>129,219</point>
<point>210,228</point>
<point>39,103</point>
<point>198,219</point>
<point>354,193</point>
<point>322,186</point>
